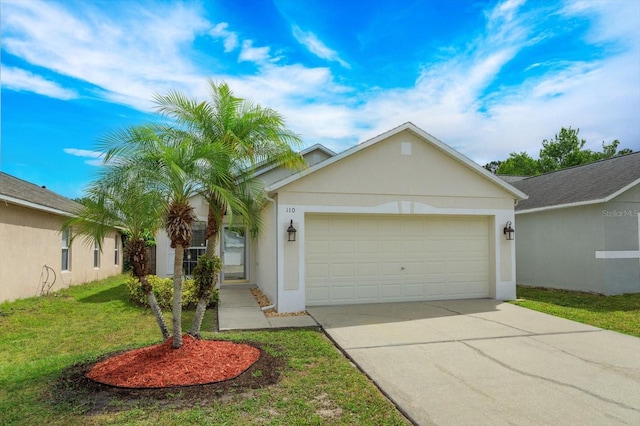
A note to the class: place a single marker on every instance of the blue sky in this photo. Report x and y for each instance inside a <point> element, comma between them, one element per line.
<point>486,77</point>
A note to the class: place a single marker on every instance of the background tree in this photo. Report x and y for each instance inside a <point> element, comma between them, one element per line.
<point>519,165</point>
<point>493,166</point>
<point>114,202</point>
<point>566,149</point>
<point>252,135</point>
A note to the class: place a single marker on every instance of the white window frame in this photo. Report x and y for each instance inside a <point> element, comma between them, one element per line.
<point>65,262</point>
<point>189,262</point>
<point>96,254</point>
<point>116,259</point>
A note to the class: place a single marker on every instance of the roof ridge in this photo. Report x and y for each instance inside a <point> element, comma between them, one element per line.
<point>585,164</point>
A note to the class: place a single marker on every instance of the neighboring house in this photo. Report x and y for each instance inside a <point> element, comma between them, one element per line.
<point>400,217</point>
<point>35,255</point>
<point>580,228</point>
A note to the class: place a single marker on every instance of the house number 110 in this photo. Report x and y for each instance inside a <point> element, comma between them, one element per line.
<point>290,209</point>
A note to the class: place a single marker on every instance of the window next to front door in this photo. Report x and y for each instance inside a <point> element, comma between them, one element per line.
<point>234,253</point>
<point>197,249</point>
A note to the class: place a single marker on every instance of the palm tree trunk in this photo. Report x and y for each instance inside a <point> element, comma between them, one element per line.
<point>196,326</point>
<point>177,297</point>
<point>213,229</point>
<point>153,303</point>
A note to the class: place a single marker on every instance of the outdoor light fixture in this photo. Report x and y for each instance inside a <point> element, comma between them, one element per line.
<point>291,231</point>
<point>508,231</point>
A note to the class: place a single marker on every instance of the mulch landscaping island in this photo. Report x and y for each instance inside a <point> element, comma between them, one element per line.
<point>197,362</point>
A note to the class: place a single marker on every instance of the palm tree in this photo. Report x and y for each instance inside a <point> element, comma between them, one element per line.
<point>167,160</point>
<point>253,135</point>
<point>115,202</point>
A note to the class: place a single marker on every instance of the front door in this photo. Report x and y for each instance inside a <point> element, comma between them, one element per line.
<point>234,254</point>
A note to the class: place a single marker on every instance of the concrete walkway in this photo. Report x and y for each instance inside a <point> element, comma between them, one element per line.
<point>239,310</point>
<point>483,362</point>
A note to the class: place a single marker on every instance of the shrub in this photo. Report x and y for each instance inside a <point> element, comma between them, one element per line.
<point>163,290</point>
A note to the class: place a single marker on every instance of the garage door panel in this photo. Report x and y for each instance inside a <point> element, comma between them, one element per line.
<point>366,259</point>
<point>342,270</point>
<point>392,291</point>
<point>412,247</point>
<point>318,270</point>
<point>367,269</point>
<point>341,294</point>
<point>367,247</point>
<point>342,247</point>
<point>364,226</point>
<point>316,247</point>
<point>392,247</point>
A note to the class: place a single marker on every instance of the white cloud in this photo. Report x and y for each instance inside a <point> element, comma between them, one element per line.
<point>253,54</point>
<point>317,47</point>
<point>230,39</point>
<point>21,80</point>
<point>95,157</point>
<point>129,56</point>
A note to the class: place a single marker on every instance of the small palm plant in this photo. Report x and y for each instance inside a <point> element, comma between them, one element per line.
<point>115,203</point>
<point>251,135</point>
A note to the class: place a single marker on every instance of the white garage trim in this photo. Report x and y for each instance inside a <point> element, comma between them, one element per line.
<point>351,258</point>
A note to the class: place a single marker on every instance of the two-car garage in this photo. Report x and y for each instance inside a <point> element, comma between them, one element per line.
<point>400,217</point>
<point>351,258</point>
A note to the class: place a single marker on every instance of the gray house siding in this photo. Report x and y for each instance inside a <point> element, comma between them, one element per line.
<point>620,222</point>
<point>556,248</point>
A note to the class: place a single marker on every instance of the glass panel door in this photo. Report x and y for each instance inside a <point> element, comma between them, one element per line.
<point>234,253</point>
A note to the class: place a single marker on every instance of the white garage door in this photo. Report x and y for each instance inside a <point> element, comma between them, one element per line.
<point>392,258</point>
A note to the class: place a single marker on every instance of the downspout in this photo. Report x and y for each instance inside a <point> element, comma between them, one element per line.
<point>273,305</point>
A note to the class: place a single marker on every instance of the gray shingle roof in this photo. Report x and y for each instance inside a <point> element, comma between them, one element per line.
<point>14,188</point>
<point>581,184</point>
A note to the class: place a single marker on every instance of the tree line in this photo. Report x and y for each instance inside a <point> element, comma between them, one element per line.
<point>566,149</point>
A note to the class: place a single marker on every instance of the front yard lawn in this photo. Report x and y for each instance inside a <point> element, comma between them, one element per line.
<point>618,313</point>
<point>42,339</point>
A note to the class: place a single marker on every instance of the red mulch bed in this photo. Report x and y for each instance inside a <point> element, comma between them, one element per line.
<point>196,362</point>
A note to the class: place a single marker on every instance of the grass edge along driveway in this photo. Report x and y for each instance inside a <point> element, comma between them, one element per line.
<point>619,313</point>
<point>41,337</point>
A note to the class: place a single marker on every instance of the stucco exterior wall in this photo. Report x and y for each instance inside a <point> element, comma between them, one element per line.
<point>579,248</point>
<point>556,248</point>
<point>266,254</point>
<point>31,239</point>
<point>621,222</point>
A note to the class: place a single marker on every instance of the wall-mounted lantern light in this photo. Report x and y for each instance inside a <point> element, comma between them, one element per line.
<point>291,231</point>
<point>509,231</point>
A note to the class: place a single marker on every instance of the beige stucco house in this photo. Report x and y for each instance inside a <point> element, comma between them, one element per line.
<point>400,217</point>
<point>580,228</point>
<point>35,256</point>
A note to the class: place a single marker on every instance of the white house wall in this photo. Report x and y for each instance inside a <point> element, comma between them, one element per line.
<point>265,265</point>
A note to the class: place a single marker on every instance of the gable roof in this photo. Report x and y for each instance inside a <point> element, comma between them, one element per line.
<point>446,149</point>
<point>22,193</point>
<point>591,183</point>
<point>266,166</point>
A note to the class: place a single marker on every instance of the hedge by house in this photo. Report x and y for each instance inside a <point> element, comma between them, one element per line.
<point>163,290</point>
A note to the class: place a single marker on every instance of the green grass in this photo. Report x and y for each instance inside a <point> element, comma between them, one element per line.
<point>618,313</point>
<point>41,337</point>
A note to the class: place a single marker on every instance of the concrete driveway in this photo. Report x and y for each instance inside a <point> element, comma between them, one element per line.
<point>471,362</point>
